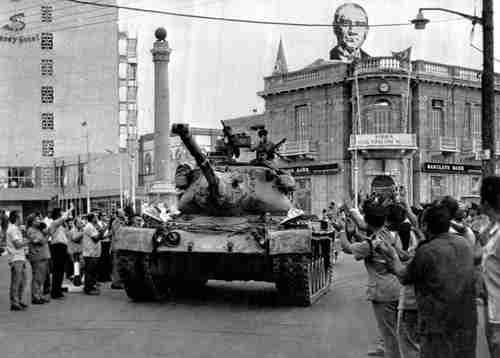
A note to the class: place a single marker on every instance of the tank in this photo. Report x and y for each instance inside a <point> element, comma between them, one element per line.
<point>235,221</point>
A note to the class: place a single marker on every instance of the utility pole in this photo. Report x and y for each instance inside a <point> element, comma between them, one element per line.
<point>487,79</point>
<point>488,92</point>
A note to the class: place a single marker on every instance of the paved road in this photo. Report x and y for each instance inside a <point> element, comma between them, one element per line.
<point>229,320</point>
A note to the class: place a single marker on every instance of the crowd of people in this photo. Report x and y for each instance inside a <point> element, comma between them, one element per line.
<point>43,251</point>
<point>429,269</point>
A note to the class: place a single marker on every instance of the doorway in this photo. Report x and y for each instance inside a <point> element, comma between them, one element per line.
<point>383,185</point>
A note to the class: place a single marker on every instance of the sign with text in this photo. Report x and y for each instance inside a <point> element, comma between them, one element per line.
<point>19,39</point>
<point>450,168</point>
<point>316,169</point>
<point>383,141</point>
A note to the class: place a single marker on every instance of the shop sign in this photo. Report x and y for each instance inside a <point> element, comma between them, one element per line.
<point>16,25</point>
<point>19,39</point>
<point>451,168</point>
<point>317,169</point>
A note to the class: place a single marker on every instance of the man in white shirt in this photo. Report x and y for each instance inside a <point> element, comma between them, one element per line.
<point>91,253</point>
<point>16,249</point>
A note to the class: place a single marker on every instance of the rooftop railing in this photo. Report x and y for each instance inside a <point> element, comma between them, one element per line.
<point>329,72</point>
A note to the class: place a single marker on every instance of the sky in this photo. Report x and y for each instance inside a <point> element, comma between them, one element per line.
<point>216,68</point>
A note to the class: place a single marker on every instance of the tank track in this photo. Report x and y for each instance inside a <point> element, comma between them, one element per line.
<point>140,285</point>
<point>301,279</point>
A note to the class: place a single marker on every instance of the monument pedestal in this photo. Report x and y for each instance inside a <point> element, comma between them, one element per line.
<point>163,192</point>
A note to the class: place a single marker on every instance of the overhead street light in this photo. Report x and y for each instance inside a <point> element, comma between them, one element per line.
<point>487,81</point>
<point>85,126</point>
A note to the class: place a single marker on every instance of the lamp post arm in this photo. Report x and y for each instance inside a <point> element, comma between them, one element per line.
<point>474,19</point>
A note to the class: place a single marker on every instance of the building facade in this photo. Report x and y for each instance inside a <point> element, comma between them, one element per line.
<point>355,128</point>
<point>69,97</point>
<point>205,137</point>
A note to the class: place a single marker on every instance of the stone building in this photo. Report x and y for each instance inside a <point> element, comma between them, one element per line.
<point>366,126</point>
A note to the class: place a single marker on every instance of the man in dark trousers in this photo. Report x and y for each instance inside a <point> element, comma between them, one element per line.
<point>442,272</point>
<point>59,250</point>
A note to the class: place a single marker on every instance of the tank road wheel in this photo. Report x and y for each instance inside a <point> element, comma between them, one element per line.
<point>135,271</point>
<point>301,279</point>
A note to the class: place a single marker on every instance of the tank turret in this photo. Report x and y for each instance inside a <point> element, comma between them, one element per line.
<point>224,187</point>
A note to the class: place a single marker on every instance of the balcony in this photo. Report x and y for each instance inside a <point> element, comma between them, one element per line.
<point>383,141</point>
<point>381,65</point>
<point>444,144</point>
<point>471,145</point>
<point>300,148</point>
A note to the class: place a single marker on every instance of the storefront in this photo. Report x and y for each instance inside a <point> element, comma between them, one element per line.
<point>315,185</point>
<point>459,180</point>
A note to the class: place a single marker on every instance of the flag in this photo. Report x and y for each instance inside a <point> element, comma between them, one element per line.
<point>403,56</point>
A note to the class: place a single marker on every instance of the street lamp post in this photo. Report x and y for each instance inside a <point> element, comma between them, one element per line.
<point>488,78</point>
<point>120,174</point>
<point>84,125</point>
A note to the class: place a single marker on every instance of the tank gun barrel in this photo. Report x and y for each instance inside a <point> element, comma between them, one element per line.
<point>182,130</point>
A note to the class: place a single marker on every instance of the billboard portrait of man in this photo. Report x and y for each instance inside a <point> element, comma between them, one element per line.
<point>350,27</point>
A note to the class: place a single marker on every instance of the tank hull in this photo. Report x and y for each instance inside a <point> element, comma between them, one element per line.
<point>299,264</point>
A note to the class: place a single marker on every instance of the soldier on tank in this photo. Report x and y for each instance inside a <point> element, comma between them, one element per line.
<point>265,149</point>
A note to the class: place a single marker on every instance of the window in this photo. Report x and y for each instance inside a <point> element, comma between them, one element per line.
<point>476,122</point>
<point>81,174</point>
<point>437,118</point>
<point>46,13</point>
<point>468,121</point>
<point>437,187</point>
<point>20,177</point>
<point>497,125</point>
<point>47,148</point>
<point>148,164</point>
<point>302,123</point>
<point>437,103</point>
<point>48,120</point>
<point>132,71</point>
<point>131,93</point>
<point>47,67</point>
<point>379,118</point>
<point>47,94</point>
<point>132,48</point>
<point>475,185</point>
<point>47,41</point>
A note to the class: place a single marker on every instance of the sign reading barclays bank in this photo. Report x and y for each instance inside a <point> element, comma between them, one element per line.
<point>451,168</point>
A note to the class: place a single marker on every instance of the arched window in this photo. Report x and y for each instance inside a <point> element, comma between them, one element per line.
<point>379,118</point>
<point>148,165</point>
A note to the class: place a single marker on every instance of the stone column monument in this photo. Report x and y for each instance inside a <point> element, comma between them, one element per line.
<point>163,189</point>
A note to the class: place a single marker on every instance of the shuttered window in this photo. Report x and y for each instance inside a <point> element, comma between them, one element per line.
<point>302,123</point>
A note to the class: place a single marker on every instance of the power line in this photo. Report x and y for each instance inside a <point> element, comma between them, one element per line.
<point>227,19</point>
<point>22,9</point>
<point>47,26</point>
<point>59,9</point>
